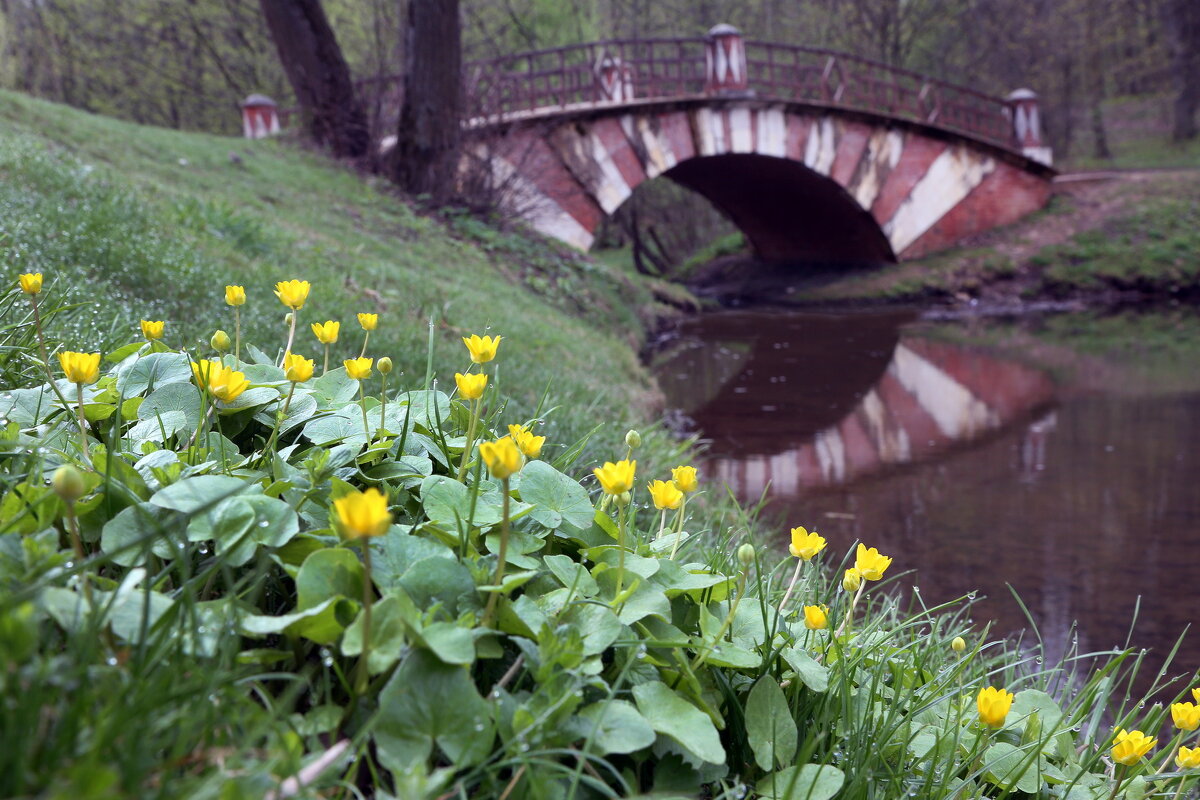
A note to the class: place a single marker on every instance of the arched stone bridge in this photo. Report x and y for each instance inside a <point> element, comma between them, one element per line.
<point>816,156</point>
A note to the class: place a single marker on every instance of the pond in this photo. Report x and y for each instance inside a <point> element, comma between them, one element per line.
<point>1058,455</point>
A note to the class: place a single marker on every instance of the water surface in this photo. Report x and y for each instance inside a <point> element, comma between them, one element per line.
<point>1059,456</point>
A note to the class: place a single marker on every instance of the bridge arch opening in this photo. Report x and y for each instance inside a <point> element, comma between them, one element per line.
<point>789,213</point>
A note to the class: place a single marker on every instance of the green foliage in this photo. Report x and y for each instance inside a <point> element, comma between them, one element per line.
<point>197,620</point>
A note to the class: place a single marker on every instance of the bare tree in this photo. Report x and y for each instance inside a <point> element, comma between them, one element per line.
<point>426,153</point>
<point>319,74</point>
<point>1181,18</point>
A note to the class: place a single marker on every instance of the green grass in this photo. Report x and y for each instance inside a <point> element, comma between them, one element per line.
<point>145,223</point>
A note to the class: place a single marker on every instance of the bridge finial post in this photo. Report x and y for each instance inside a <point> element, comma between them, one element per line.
<point>260,117</point>
<point>1027,126</point>
<point>725,61</point>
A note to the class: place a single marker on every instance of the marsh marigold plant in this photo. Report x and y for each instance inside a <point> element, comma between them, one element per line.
<point>1129,747</point>
<point>481,348</point>
<point>616,478</point>
<point>993,705</point>
<point>806,544</point>
<point>360,515</point>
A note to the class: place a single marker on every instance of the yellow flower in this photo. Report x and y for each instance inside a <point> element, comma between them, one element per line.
<point>235,295</point>
<point>482,348</point>
<point>297,368</point>
<point>502,457</point>
<point>870,563</point>
<point>1186,716</point>
<point>224,383</point>
<point>368,321</point>
<point>685,479</point>
<point>1130,746</point>
<point>805,545</point>
<point>993,706</point>
<point>958,644</point>
<point>530,445</point>
<point>1188,759</point>
<point>471,385</point>
<point>1196,694</point>
<point>326,332</point>
<point>31,283</point>
<point>665,494</point>
<point>852,580</point>
<point>152,330</point>
<point>358,368</point>
<point>292,293</point>
<point>816,617</point>
<point>616,478</point>
<point>362,514</point>
<point>80,367</point>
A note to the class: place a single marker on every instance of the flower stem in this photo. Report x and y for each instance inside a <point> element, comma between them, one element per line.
<point>502,559</point>
<point>366,338</point>
<point>788,594</point>
<point>278,423</point>
<point>363,676</point>
<point>83,440</point>
<point>462,465</point>
<point>383,403</point>
<point>848,621</point>
<point>362,401</point>
<point>77,546</point>
<point>37,326</point>
<point>326,367</point>
<point>237,333</point>
<point>621,512</point>
<point>1118,776</point>
<point>703,654</point>
<point>291,335</point>
<point>678,528</point>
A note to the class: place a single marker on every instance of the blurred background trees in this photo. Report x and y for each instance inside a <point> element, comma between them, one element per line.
<point>1113,75</point>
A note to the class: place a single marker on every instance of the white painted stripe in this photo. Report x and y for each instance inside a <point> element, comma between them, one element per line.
<point>772,133</point>
<point>523,198</point>
<point>741,131</point>
<point>660,156</point>
<point>957,412</point>
<point>831,454</point>
<point>891,444</point>
<point>612,189</point>
<point>949,179</point>
<point>821,147</point>
<point>884,147</point>
<point>702,125</point>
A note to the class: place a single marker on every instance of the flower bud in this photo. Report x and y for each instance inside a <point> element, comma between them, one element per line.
<point>958,644</point>
<point>384,365</point>
<point>633,439</point>
<point>852,580</point>
<point>624,499</point>
<point>68,483</point>
<point>220,342</point>
<point>287,318</point>
<point>745,554</point>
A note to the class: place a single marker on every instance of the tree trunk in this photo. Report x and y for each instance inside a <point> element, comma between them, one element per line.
<point>425,159</point>
<point>1182,21</point>
<point>320,77</point>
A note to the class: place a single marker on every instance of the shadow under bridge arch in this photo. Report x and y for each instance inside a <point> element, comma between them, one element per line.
<point>788,212</point>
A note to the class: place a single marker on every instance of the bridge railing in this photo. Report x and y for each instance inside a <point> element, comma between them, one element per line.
<point>622,71</point>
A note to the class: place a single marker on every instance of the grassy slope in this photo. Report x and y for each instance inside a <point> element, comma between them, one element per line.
<point>151,223</point>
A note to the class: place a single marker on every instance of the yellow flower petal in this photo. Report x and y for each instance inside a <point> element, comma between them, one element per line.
<point>362,514</point>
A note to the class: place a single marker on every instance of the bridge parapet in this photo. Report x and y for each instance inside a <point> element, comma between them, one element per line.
<point>582,76</point>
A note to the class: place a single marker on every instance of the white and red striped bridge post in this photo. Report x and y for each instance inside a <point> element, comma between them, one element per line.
<point>260,117</point>
<point>1027,126</point>
<point>725,62</point>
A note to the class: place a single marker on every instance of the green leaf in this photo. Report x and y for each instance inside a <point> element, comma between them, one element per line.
<point>387,634</point>
<point>154,370</point>
<point>572,574</point>
<point>648,599</point>
<point>328,573</point>
<point>557,499</point>
<point>125,536</point>
<point>335,388</point>
<point>450,643</point>
<point>770,729</point>
<point>812,674</point>
<point>200,493</point>
<point>323,623</point>
<point>809,782</point>
<point>447,502</point>
<point>679,720</point>
<point>1032,700</point>
<point>599,625</point>
<point>181,397</point>
<point>615,727</point>
<point>1010,767</point>
<point>428,702</point>
<point>426,408</point>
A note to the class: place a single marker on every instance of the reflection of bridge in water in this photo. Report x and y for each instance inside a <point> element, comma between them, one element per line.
<point>832,420</point>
